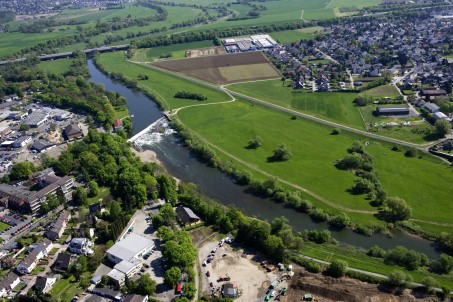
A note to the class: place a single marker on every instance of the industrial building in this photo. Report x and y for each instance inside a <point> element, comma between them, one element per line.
<point>257,42</point>
<point>36,119</point>
<point>395,110</point>
<point>126,255</point>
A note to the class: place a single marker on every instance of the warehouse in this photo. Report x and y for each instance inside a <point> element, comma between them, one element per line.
<point>395,110</point>
<point>36,119</point>
<point>133,246</point>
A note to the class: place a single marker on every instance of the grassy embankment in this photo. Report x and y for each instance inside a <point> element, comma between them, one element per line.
<point>177,51</point>
<point>56,66</point>
<point>357,259</point>
<point>229,127</point>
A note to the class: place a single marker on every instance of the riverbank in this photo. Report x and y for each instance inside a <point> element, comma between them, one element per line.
<point>148,156</point>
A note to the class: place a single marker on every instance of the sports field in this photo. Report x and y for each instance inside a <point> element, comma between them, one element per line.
<point>334,106</point>
<point>229,127</point>
<point>224,69</point>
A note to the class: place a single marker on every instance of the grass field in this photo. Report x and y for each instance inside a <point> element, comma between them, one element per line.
<point>162,85</point>
<point>178,51</point>
<point>56,66</point>
<point>230,126</point>
<point>359,260</point>
<point>3,226</point>
<point>65,289</point>
<point>382,91</point>
<point>224,69</point>
<point>287,36</point>
<point>14,42</point>
<point>337,107</point>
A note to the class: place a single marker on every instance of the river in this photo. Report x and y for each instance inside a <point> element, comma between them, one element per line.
<point>183,164</point>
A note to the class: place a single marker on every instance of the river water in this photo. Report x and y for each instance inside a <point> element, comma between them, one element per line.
<point>183,164</point>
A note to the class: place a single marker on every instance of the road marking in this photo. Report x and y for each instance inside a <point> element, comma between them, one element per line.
<point>328,4</point>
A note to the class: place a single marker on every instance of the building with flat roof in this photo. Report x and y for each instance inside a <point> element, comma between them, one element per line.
<point>394,110</point>
<point>36,118</point>
<point>439,115</point>
<point>135,298</point>
<point>132,246</point>
<point>41,145</point>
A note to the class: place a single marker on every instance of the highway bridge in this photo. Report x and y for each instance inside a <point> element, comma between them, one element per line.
<point>70,54</point>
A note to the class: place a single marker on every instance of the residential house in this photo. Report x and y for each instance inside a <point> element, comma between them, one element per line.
<point>44,284</point>
<point>186,216</point>
<point>72,131</point>
<point>38,252</point>
<point>62,262</point>
<point>80,246</point>
<point>57,228</point>
<point>8,283</point>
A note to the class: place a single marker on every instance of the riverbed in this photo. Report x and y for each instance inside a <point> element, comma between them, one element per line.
<point>183,164</point>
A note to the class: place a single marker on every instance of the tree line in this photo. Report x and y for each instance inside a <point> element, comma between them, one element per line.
<point>183,94</point>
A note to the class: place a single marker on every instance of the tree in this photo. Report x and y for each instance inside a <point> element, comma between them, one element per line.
<point>145,285</point>
<point>443,127</point>
<point>189,290</point>
<point>398,209</point>
<point>172,275</point>
<point>115,210</point>
<point>412,152</point>
<point>397,278</point>
<point>79,195</point>
<point>93,188</point>
<point>282,153</point>
<point>340,221</point>
<point>8,262</point>
<point>255,142</point>
<point>167,212</point>
<point>20,171</point>
<point>337,268</point>
<point>158,221</point>
<point>442,266</point>
<point>24,127</point>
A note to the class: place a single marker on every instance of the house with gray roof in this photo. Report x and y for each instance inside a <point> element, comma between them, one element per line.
<point>186,216</point>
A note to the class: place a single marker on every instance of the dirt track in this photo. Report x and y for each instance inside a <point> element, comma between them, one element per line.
<point>327,289</point>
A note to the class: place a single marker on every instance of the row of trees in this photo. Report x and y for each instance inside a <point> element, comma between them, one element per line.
<point>183,94</point>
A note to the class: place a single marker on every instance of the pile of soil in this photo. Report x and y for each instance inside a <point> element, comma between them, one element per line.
<point>328,289</point>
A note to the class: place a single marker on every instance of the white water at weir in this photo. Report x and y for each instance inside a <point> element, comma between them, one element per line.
<point>152,134</point>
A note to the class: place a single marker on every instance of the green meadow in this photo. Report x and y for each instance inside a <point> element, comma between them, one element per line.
<point>177,51</point>
<point>229,127</point>
<point>382,91</point>
<point>333,106</point>
<point>56,66</point>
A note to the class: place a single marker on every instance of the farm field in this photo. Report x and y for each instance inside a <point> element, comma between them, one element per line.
<point>13,42</point>
<point>287,36</point>
<point>176,50</point>
<point>56,66</point>
<point>223,69</point>
<point>382,91</point>
<point>334,106</point>
<point>228,129</point>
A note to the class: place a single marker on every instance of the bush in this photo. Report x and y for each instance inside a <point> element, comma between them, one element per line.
<point>430,283</point>
<point>190,95</point>
<point>376,251</point>
<point>313,267</point>
<point>336,131</point>
<point>281,153</point>
<point>340,221</point>
<point>397,278</point>
<point>412,152</point>
<point>319,215</point>
<point>337,268</point>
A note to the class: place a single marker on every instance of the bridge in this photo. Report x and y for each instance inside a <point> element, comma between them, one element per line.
<point>71,54</point>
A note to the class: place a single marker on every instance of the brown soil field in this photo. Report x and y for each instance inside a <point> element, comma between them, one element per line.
<point>208,51</point>
<point>328,289</point>
<point>225,69</point>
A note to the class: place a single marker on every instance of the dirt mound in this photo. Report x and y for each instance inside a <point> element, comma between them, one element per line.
<point>327,289</point>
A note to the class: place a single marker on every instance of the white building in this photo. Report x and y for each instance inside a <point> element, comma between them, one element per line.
<point>38,252</point>
<point>126,254</point>
<point>44,284</point>
<point>80,246</point>
<point>439,115</point>
<point>133,246</point>
<point>8,283</point>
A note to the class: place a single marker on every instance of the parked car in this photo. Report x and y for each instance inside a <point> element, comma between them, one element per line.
<point>208,274</point>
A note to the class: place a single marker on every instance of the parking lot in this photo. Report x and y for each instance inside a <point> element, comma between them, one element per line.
<point>154,265</point>
<point>16,224</point>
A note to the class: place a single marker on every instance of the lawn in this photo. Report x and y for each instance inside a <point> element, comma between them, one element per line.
<point>230,126</point>
<point>334,106</point>
<point>56,66</point>
<point>382,91</point>
<point>121,112</point>
<point>176,50</point>
<point>308,33</point>
<point>359,260</point>
<point>3,226</point>
<point>103,192</point>
<point>65,289</point>
<point>53,251</point>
